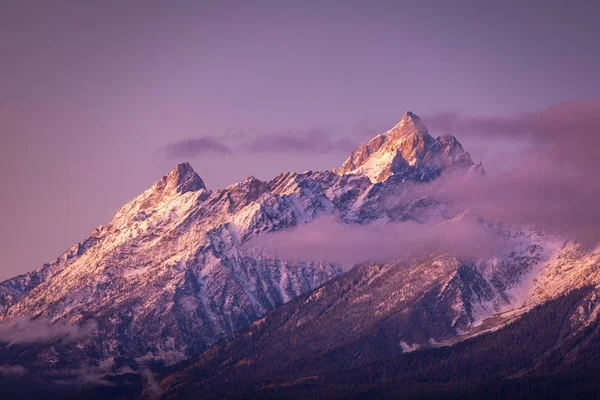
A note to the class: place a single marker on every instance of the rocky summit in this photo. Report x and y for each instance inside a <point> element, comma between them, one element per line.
<point>409,151</point>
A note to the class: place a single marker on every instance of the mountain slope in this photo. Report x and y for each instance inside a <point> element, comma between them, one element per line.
<point>281,356</point>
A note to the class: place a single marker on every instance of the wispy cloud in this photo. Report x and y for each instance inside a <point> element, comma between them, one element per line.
<point>299,141</point>
<point>17,370</point>
<point>196,146</point>
<point>24,330</point>
<point>568,132</point>
<point>151,386</point>
<point>91,375</point>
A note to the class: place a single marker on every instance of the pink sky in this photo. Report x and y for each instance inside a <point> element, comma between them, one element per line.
<point>95,97</point>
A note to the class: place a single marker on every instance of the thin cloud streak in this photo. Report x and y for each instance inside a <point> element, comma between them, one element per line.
<point>23,330</point>
<point>195,147</point>
<point>15,370</point>
<point>568,133</point>
<point>308,141</point>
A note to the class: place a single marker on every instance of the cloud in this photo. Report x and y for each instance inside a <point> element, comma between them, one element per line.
<point>12,370</point>
<point>537,193</point>
<point>87,375</point>
<point>331,241</point>
<point>315,141</point>
<point>552,179</point>
<point>568,133</point>
<point>23,330</point>
<point>299,141</point>
<point>151,386</point>
<point>196,146</point>
<point>91,375</point>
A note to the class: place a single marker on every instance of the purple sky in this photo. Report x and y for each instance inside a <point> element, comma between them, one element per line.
<point>96,98</point>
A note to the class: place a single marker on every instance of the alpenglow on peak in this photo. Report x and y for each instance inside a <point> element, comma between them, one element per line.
<point>409,152</point>
<point>411,122</point>
<point>181,179</point>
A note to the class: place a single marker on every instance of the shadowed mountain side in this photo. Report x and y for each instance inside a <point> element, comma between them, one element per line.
<point>518,361</point>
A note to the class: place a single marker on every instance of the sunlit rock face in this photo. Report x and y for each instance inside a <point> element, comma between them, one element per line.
<point>409,151</point>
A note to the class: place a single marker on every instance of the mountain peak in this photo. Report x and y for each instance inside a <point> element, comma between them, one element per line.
<point>408,150</point>
<point>410,116</point>
<point>182,179</point>
<point>411,123</point>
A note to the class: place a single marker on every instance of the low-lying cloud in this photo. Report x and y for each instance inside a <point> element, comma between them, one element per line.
<point>91,375</point>
<point>24,330</point>
<point>14,370</point>
<point>328,240</point>
<point>151,386</point>
<point>552,180</point>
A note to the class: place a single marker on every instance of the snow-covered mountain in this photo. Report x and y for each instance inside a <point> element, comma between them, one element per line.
<point>170,274</point>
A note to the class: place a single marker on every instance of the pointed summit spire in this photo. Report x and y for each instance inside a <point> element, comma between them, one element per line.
<point>181,179</point>
<point>412,123</point>
<point>184,179</point>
